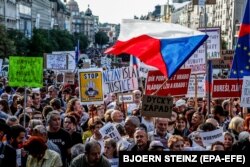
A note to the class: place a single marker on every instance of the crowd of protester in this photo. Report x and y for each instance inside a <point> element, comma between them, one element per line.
<point>50,127</point>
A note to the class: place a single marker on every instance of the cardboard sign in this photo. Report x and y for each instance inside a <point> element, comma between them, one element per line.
<point>120,80</point>
<point>91,86</point>
<point>176,86</point>
<point>26,71</point>
<point>225,88</point>
<point>69,78</point>
<point>226,60</point>
<point>157,106</point>
<point>57,61</point>
<point>245,96</point>
<point>208,138</point>
<point>200,86</point>
<point>126,98</point>
<point>110,130</point>
<point>71,58</point>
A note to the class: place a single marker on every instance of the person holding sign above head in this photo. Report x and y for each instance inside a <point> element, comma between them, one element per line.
<point>137,102</point>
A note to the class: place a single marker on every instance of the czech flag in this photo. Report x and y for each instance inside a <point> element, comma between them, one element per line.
<point>165,46</point>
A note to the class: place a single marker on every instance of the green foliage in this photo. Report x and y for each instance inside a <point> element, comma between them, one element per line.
<point>84,42</point>
<point>20,41</point>
<point>101,38</point>
<point>7,46</point>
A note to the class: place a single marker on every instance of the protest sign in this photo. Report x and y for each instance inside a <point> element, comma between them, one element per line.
<point>225,88</point>
<point>57,61</point>
<point>1,63</point>
<point>69,78</point>
<point>144,69</point>
<point>26,71</point>
<point>120,80</point>
<point>71,58</point>
<point>213,42</point>
<point>59,78</point>
<point>200,86</point>
<point>208,138</point>
<point>197,62</point>
<point>176,86</point>
<point>226,60</point>
<point>110,130</point>
<point>157,106</point>
<point>126,98</point>
<point>245,95</point>
<point>91,86</point>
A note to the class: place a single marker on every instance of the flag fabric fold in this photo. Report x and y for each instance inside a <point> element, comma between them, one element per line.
<point>165,46</point>
<point>241,60</point>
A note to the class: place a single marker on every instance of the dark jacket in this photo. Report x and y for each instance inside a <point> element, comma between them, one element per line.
<point>7,156</point>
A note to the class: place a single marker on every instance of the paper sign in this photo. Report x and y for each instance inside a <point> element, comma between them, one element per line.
<point>226,60</point>
<point>120,80</point>
<point>26,71</point>
<point>200,86</point>
<point>144,69</point>
<point>57,61</point>
<point>225,88</point>
<point>91,86</point>
<point>1,63</point>
<point>213,42</point>
<point>110,130</point>
<point>197,62</point>
<point>71,58</point>
<point>208,138</point>
<point>157,106</point>
<point>69,78</point>
<point>126,98</point>
<point>245,95</point>
<point>176,86</point>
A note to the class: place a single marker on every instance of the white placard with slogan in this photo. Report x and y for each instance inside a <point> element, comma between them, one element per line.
<point>57,61</point>
<point>144,69</point>
<point>208,138</point>
<point>245,93</point>
<point>126,98</point>
<point>1,63</point>
<point>200,86</point>
<point>120,80</point>
<point>71,58</point>
<point>110,130</point>
<point>213,42</point>
<point>157,106</point>
<point>197,62</point>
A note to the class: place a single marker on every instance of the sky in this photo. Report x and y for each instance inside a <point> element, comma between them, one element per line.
<point>113,11</point>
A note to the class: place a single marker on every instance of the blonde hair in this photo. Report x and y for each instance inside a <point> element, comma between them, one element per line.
<point>235,122</point>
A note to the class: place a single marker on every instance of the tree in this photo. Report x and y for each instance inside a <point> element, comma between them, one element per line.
<point>7,46</point>
<point>101,38</point>
<point>83,40</point>
<point>20,41</point>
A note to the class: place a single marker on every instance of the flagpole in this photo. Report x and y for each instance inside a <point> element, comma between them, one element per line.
<point>207,62</point>
<point>154,93</point>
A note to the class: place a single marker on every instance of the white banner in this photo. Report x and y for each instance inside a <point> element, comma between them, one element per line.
<point>56,61</point>
<point>200,83</point>
<point>208,138</point>
<point>71,58</point>
<point>120,80</point>
<point>110,130</point>
<point>245,94</point>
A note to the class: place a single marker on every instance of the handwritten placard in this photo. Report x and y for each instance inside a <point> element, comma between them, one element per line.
<point>110,130</point>
<point>57,61</point>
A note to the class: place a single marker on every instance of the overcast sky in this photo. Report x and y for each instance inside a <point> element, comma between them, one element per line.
<point>113,11</point>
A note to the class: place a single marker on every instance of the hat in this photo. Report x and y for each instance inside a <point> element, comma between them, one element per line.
<point>156,143</point>
<point>180,102</point>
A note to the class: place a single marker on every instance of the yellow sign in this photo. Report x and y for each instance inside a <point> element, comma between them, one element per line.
<point>91,86</point>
